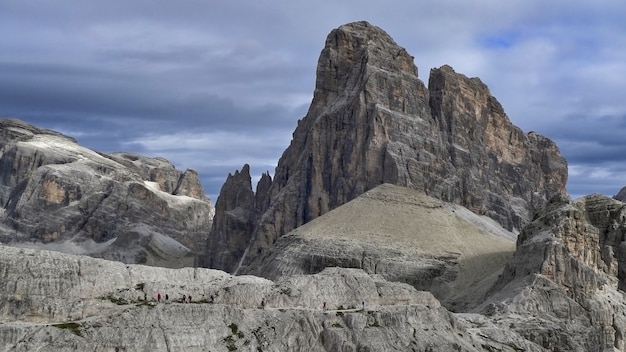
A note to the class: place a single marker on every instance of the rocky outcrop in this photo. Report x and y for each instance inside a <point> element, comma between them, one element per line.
<point>59,195</point>
<point>56,302</point>
<point>569,274</point>
<point>372,121</point>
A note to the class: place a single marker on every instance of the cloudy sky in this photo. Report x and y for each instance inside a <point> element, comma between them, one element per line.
<point>211,85</point>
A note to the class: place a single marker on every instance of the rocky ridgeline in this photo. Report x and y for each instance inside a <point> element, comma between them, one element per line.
<point>568,276</point>
<point>59,195</point>
<point>57,302</point>
<point>373,121</point>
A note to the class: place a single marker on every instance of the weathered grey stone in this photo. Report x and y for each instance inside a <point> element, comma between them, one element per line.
<point>59,302</point>
<point>621,195</point>
<point>373,121</point>
<point>59,195</point>
<point>568,274</point>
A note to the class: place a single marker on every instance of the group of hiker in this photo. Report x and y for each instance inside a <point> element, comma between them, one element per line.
<point>185,298</point>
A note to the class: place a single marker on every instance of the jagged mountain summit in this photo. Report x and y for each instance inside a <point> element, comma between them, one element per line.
<point>621,195</point>
<point>59,195</point>
<point>373,121</point>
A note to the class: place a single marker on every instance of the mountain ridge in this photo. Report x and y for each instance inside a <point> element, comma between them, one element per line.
<point>57,194</point>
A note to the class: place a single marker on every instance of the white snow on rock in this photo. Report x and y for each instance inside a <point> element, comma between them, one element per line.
<point>172,200</point>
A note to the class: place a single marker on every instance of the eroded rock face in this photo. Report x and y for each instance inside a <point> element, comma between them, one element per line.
<point>568,272</point>
<point>59,195</point>
<point>59,302</point>
<point>372,121</point>
<point>621,195</point>
<point>234,221</point>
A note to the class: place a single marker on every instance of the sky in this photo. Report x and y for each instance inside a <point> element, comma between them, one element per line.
<point>213,85</point>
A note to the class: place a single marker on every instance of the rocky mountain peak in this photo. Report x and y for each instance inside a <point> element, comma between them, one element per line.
<point>350,48</point>
<point>372,121</point>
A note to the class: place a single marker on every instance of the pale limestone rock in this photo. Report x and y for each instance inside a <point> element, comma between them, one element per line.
<point>59,195</point>
<point>403,235</point>
<point>56,302</point>
<point>568,275</point>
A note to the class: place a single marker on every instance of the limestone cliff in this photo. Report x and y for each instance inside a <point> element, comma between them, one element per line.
<point>569,274</point>
<point>373,121</point>
<point>234,220</point>
<point>55,302</point>
<point>59,195</point>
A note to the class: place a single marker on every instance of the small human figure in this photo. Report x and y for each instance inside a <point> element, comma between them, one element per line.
<point>263,303</point>
<point>167,298</point>
<point>184,299</point>
<point>159,297</point>
<point>189,298</point>
<point>363,304</point>
<point>212,299</point>
<point>324,306</point>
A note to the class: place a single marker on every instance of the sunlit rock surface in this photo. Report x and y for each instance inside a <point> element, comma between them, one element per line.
<point>59,195</point>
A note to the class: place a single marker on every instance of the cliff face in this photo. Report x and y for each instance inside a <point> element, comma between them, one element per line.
<point>59,195</point>
<point>569,273</point>
<point>372,121</point>
<point>56,302</point>
<point>234,220</point>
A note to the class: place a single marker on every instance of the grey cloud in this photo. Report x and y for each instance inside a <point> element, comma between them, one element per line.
<point>117,73</point>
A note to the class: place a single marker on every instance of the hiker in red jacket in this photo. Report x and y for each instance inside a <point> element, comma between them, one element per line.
<point>159,297</point>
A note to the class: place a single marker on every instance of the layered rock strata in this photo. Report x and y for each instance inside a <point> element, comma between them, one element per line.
<point>59,195</point>
<point>373,121</point>
<point>56,302</point>
<point>568,274</point>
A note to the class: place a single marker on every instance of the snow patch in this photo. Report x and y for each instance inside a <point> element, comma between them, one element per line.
<point>171,199</point>
<point>63,147</point>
